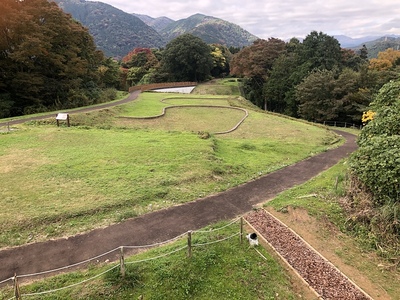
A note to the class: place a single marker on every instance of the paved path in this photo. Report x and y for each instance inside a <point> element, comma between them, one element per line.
<point>130,97</point>
<point>168,223</point>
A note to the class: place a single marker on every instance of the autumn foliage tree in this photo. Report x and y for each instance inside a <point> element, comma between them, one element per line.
<point>139,64</point>
<point>221,60</point>
<point>387,59</point>
<point>254,62</point>
<point>47,60</point>
<point>257,59</point>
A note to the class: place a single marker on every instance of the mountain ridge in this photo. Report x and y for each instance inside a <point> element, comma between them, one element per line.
<point>157,23</point>
<point>211,30</point>
<point>117,33</point>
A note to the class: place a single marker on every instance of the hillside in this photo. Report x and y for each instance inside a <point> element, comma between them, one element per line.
<point>157,23</point>
<point>115,32</point>
<point>349,42</point>
<point>379,45</point>
<point>211,30</point>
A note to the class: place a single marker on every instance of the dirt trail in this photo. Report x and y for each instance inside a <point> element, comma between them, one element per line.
<point>167,223</point>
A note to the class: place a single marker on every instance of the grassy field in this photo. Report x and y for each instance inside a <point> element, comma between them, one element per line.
<point>58,181</point>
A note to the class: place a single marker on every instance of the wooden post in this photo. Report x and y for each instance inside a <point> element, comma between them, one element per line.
<point>241,230</point>
<point>17,292</point>
<point>189,243</point>
<point>122,262</point>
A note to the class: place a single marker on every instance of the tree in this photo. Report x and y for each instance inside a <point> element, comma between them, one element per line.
<point>221,59</point>
<point>254,62</point>
<point>187,58</point>
<point>320,51</point>
<point>316,97</point>
<point>257,59</point>
<point>375,171</point>
<point>110,74</point>
<point>47,59</point>
<point>139,62</point>
<point>386,60</point>
<point>282,78</point>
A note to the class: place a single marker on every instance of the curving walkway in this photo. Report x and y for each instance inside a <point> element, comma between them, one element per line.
<point>132,96</point>
<point>167,223</point>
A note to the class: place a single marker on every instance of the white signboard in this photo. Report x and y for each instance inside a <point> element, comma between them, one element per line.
<point>62,116</point>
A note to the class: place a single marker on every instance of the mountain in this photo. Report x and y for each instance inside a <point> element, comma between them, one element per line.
<point>381,44</point>
<point>374,44</point>
<point>210,30</point>
<point>348,42</point>
<point>157,23</point>
<point>115,32</point>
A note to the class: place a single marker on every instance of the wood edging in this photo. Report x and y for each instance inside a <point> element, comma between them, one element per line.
<point>284,261</point>
<point>313,249</point>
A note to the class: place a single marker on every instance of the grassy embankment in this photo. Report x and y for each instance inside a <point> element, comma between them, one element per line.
<point>58,181</point>
<point>230,270</point>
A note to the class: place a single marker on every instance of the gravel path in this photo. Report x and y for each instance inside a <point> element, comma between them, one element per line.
<point>320,274</point>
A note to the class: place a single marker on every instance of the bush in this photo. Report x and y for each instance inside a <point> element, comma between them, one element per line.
<point>377,161</point>
<point>375,167</point>
<point>108,95</point>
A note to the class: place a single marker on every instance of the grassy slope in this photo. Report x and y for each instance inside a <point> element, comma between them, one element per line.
<point>57,181</point>
<point>228,274</point>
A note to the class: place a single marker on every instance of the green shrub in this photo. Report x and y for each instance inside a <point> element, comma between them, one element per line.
<point>377,161</point>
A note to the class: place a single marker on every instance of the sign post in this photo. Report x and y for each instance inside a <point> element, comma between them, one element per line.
<point>62,117</point>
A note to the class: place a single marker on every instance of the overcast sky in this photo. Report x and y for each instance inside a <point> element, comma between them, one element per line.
<point>282,18</point>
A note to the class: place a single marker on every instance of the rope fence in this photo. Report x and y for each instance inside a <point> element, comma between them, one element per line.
<point>122,263</point>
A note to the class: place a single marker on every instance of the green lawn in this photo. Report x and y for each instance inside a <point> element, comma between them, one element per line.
<point>104,169</point>
<point>58,181</point>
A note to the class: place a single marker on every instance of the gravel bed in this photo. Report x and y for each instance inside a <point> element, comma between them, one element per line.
<point>324,278</point>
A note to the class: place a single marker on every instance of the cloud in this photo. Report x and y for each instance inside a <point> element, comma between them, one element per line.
<point>282,19</point>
